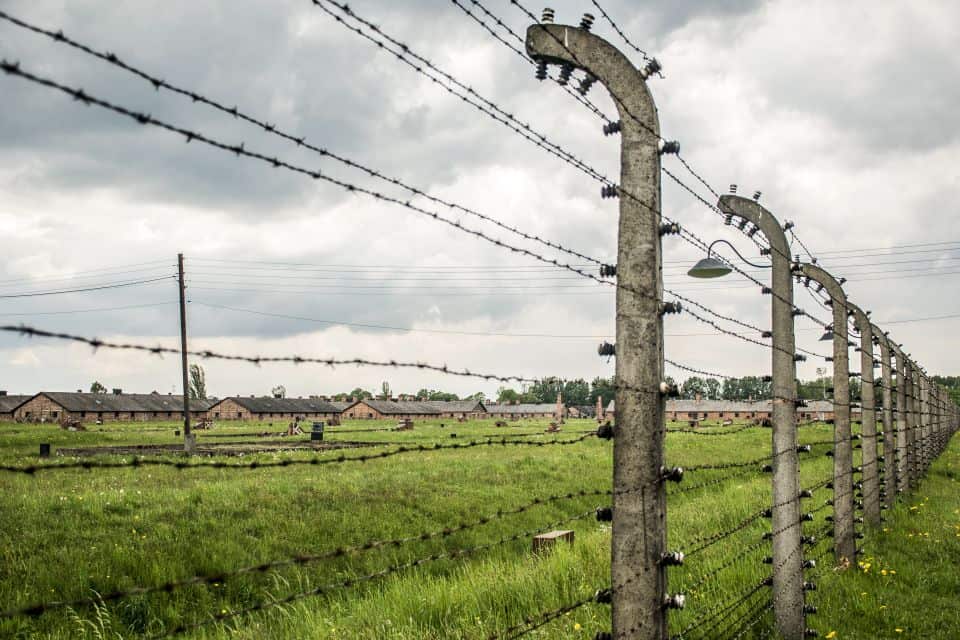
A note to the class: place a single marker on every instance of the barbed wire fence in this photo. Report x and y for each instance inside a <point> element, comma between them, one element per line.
<point>914,427</point>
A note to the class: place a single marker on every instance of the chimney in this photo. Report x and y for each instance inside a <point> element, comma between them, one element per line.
<point>3,392</point>
<point>117,392</point>
<point>78,391</point>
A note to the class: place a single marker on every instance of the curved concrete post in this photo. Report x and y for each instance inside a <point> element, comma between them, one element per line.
<point>639,505</point>
<point>925,431</point>
<point>889,433</point>
<point>788,594</point>
<point>911,384</point>
<point>844,535</point>
<point>902,459</point>
<point>868,419</point>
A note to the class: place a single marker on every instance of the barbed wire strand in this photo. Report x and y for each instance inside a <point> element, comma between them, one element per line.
<point>296,560</point>
<point>320,590</point>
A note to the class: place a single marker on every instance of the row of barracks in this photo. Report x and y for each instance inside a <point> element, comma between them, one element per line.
<point>56,406</point>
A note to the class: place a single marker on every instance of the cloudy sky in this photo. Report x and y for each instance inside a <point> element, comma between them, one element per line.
<point>844,115</point>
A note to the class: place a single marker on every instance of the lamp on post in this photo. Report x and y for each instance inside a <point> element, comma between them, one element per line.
<point>788,584</point>
<point>710,267</point>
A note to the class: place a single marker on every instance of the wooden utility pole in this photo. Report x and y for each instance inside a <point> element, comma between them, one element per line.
<point>188,438</point>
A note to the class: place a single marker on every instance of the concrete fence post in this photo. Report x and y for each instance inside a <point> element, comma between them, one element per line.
<point>638,542</point>
<point>911,384</point>
<point>845,548</point>
<point>868,419</point>
<point>926,453</point>
<point>788,594</point>
<point>902,457</point>
<point>889,432</point>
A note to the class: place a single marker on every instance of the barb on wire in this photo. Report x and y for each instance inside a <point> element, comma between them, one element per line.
<point>272,129</point>
<point>687,488</point>
<point>445,555</point>
<point>701,544</point>
<point>725,432</point>
<point>532,623</point>
<point>405,54</point>
<point>179,465</point>
<point>720,610</point>
<point>240,150</point>
<point>582,99</point>
<point>697,176</point>
<point>619,31</point>
<point>701,372</point>
<point>257,360</point>
<point>299,559</point>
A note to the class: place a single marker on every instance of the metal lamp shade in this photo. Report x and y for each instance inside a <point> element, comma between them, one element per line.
<point>709,268</point>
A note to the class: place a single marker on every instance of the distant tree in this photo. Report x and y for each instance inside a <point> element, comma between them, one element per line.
<point>385,391</point>
<point>692,387</point>
<point>443,396</point>
<point>96,387</point>
<point>507,396</point>
<point>279,391</point>
<point>711,389</point>
<point>603,388</point>
<point>545,391</point>
<point>479,396</point>
<point>952,383</point>
<point>731,389</point>
<point>358,393</point>
<point>576,392</point>
<point>198,383</point>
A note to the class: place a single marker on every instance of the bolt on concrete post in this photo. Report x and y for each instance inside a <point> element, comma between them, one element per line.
<point>868,419</point>
<point>845,547</point>
<point>903,470</point>
<point>889,434</point>
<point>788,594</point>
<point>639,514</point>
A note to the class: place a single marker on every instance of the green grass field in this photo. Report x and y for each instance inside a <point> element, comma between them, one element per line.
<point>75,534</point>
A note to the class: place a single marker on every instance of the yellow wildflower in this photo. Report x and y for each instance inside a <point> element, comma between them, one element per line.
<point>832,634</point>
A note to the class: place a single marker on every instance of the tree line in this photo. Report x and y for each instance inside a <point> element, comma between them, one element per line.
<point>579,392</point>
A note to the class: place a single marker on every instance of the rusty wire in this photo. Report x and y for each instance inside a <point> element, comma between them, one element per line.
<point>180,465</point>
<point>344,584</point>
<point>295,560</point>
<point>582,99</point>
